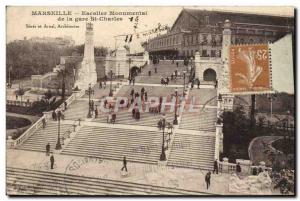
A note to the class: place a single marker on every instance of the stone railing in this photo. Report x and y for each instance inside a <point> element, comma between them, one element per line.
<point>74,96</point>
<point>246,167</point>
<point>10,143</point>
<point>18,103</point>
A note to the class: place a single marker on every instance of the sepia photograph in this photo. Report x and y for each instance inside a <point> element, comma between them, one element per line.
<point>150,101</point>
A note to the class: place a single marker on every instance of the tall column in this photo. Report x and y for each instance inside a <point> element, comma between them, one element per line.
<point>198,72</point>
<point>87,71</point>
<point>227,99</point>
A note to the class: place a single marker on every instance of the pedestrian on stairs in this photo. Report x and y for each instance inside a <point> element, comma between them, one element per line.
<point>44,123</point>
<point>96,113</point>
<point>48,149</point>
<point>52,161</point>
<point>124,164</point>
<point>207,179</point>
<point>65,104</point>
<point>216,169</point>
<point>54,115</point>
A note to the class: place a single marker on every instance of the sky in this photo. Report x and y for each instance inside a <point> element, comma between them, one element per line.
<point>104,32</point>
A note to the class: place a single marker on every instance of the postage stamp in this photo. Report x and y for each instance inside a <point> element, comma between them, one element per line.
<point>249,68</point>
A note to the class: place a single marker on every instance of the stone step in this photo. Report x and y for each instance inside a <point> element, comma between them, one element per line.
<point>64,184</point>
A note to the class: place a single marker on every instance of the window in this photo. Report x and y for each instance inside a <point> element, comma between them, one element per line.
<point>237,41</point>
<point>213,40</point>
<point>268,33</point>
<point>242,41</point>
<point>213,53</point>
<point>251,41</point>
<point>251,31</point>
<point>192,52</point>
<point>204,39</point>
<point>204,53</point>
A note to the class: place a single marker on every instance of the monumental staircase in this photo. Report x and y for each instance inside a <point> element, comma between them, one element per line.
<point>49,134</point>
<point>192,151</point>
<point>114,143</point>
<point>33,182</point>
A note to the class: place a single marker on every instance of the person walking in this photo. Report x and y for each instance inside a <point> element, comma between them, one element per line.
<point>96,113</point>
<point>142,90</point>
<point>146,96</point>
<point>54,115</point>
<point>238,168</point>
<point>48,149</point>
<point>198,83</point>
<point>100,85</point>
<point>124,164</point>
<point>216,85</point>
<point>133,81</point>
<point>52,161</point>
<point>177,64</point>
<point>65,105</point>
<point>216,169</point>
<point>44,123</point>
<point>207,179</point>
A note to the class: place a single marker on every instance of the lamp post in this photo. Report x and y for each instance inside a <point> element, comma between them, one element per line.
<point>271,98</point>
<point>110,89</point>
<point>175,121</point>
<point>89,92</point>
<point>58,145</point>
<point>287,120</point>
<point>129,73</point>
<point>183,93</point>
<point>74,74</point>
<point>163,154</point>
<point>9,79</point>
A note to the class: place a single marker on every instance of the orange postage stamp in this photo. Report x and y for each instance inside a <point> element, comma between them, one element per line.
<point>249,68</point>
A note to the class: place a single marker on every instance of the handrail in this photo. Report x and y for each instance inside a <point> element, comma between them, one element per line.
<point>10,143</point>
<point>14,143</point>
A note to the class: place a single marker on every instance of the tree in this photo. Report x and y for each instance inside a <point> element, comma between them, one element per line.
<point>20,92</point>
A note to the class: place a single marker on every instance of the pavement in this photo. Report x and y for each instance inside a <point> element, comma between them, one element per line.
<point>165,176</point>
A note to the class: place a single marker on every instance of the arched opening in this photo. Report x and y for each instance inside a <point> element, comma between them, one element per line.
<point>209,75</point>
<point>134,71</point>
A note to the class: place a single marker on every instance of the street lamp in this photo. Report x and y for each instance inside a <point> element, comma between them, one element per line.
<point>175,121</point>
<point>129,73</point>
<point>110,90</point>
<point>74,74</point>
<point>163,154</point>
<point>287,119</point>
<point>271,98</point>
<point>89,92</point>
<point>183,83</point>
<point>58,145</point>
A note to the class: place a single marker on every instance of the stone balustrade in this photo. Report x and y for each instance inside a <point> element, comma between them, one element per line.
<point>246,167</point>
<point>10,143</point>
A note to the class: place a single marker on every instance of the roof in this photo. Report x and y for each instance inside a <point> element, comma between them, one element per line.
<point>197,14</point>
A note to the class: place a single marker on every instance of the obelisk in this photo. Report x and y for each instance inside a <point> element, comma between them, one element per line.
<point>87,71</point>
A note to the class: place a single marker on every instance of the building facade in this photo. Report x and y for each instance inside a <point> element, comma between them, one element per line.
<point>201,30</point>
